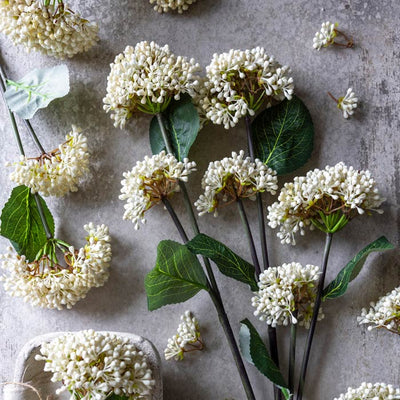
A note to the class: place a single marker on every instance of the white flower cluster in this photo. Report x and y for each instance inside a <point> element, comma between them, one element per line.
<point>239,82</point>
<point>333,189</point>
<point>48,285</point>
<point>369,391</point>
<point>57,172</point>
<point>54,29</point>
<point>94,365</point>
<point>385,313</point>
<point>234,177</point>
<point>145,78</point>
<point>188,334</point>
<point>325,36</point>
<point>175,5</point>
<point>284,291</point>
<point>150,181</point>
<point>348,103</point>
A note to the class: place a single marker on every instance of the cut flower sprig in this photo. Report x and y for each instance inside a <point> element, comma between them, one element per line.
<point>326,36</point>
<point>164,6</point>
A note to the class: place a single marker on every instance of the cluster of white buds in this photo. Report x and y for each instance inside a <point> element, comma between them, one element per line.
<point>95,365</point>
<point>232,178</point>
<point>348,103</point>
<point>145,78</point>
<point>45,283</point>
<point>174,5</point>
<point>385,313</point>
<point>187,339</point>
<point>47,26</point>
<point>150,181</point>
<point>325,36</point>
<point>57,172</point>
<point>239,82</point>
<point>326,198</point>
<point>370,391</point>
<point>286,294</point>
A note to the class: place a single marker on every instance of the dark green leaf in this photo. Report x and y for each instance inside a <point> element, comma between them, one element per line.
<point>177,276</point>
<point>256,353</point>
<point>284,135</point>
<point>339,286</point>
<point>117,397</point>
<point>182,124</point>
<point>229,263</point>
<point>21,224</point>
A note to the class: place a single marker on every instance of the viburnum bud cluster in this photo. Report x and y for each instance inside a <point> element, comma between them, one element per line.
<point>188,338</point>
<point>174,5</point>
<point>145,78</point>
<point>232,178</point>
<point>47,284</point>
<point>286,294</point>
<point>326,198</point>
<point>348,103</point>
<point>150,181</point>
<point>57,172</point>
<point>369,391</point>
<point>95,365</point>
<point>53,28</point>
<point>325,36</point>
<point>238,82</point>
<point>385,313</point>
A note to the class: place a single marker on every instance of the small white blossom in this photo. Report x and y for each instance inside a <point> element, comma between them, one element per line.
<point>239,82</point>
<point>285,290</point>
<point>348,103</point>
<point>385,313</point>
<point>234,177</point>
<point>188,335</point>
<point>43,283</point>
<point>54,30</point>
<point>325,36</point>
<point>174,5</point>
<point>342,190</point>
<point>145,78</point>
<point>94,365</point>
<point>57,172</point>
<point>369,391</point>
<point>150,181</point>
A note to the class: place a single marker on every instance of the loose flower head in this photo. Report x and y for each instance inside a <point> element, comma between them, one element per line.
<point>232,178</point>
<point>49,27</point>
<point>46,283</point>
<point>347,103</point>
<point>174,5</point>
<point>327,199</point>
<point>150,181</point>
<point>287,294</point>
<point>239,82</point>
<point>94,365</point>
<point>145,78</point>
<point>187,339</point>
<point>385,313</point>
<point>326,36</point>
<point>57,172</point>
<point>369,391</point>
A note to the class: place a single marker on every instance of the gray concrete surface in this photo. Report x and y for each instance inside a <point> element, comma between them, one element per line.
<point>344,353</point>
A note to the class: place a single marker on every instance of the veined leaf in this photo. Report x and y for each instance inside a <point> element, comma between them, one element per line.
<point>177,276</point>
<point>339,285</point>
<point>21,223</point>
<point>229,263</point>
<point>36,90</point>
<point>284,135</point>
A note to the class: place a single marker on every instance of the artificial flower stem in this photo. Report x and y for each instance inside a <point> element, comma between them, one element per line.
<point>175,218</point>
<point>42,217</point>
<point>317,304</point>
<point>292,353</point>
<point>34,137</point>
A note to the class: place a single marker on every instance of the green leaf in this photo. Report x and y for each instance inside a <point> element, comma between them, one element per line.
<point>284,135</point>
<point>177,276</point>
<point>256,353</point>
<point>182,123</point>
<point>339,285</point>
<point>36,90</point>
<point>21,223</point>
<point>117,397</point>
<point>229,263</point>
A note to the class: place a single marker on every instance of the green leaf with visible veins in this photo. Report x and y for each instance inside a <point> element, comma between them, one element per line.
<point>284,135</point>
<point>177,276</point>
<point>339,285</point>
<point>229,263</point>
<point>21,223</point>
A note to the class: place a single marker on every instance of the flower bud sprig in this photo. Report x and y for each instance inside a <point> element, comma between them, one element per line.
<point>187,339</point>
<point>370,391</point>
<point>171,5</point>
<point>326,36</point>
<point>347,103</point>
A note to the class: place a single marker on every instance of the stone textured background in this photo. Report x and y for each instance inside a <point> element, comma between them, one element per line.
<point>344,353</point>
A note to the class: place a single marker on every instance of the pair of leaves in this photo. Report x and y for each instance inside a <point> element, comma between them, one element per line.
<point>21,223</point>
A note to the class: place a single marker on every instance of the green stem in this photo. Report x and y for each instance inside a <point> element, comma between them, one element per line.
<point>34,137</point>
<point>292,353</point>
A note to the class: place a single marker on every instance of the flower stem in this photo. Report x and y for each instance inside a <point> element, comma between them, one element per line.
<point>34,137</point>
<point>292,353</point>
<point>176,220</point>
<point>317,304</point>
